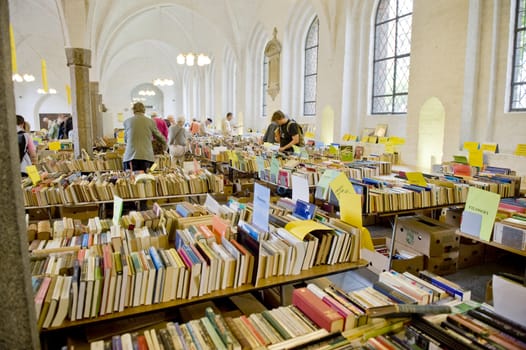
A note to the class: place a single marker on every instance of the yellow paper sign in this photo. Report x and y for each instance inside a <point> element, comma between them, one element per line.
<point>120,140</point>
<point>351,212</point>
<point>365,239</point>
<point>120,117</point>
<point>365,139</point>
<point>490,147</point>
<point>341,185</point>
<point>383,139</point>
<point>476,158</point>
<point>352,138</point>
<point>521,149</point>
<point>416,178</point>
<point>395,140</point>
<point>309,134</point>
<point>54,146</point>
<point>300,228</point>
<point>471,146</point>
<point>33,174</point>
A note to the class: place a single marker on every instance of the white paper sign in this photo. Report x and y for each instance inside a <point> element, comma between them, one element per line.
<point>300,188</point>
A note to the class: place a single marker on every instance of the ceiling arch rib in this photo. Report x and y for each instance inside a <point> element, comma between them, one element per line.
<point>157,56</point>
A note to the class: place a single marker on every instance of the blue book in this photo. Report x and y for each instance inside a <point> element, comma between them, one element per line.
<point>181,210</point>
<point>252,231</point>
<point>156,259</point>
<point>304,210</point>
<point>85,240</point>
<point>448,286</point>
<point>191,255</point>
<point>416,188</point>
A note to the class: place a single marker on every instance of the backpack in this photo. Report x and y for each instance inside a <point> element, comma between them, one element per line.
<point>301,142</point>
<point>22,146</point>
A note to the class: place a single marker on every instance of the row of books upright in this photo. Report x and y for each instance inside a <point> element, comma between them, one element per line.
<point>84,189</point>
<point>109,162</point>
<point>202,262</point>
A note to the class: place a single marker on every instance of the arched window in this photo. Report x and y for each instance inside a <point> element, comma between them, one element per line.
<point>392,49</point>
<point>265,86</point>
<point>311,69</point>
<point>518,78</point>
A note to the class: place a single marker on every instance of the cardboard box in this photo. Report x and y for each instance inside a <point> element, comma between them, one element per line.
<point>453,216</point>
<point>427,236</point>
<point>471,253</point>
<point>378,262</point>
<point>80,212</point>
<point>442,265</point>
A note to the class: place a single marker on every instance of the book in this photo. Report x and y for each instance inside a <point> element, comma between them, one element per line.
<point>63,306</point>
<point>400,310</point>
<point>451,288</point>
<point>322,314</point>
<point>53,301</point>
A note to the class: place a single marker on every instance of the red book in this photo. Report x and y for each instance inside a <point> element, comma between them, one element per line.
<point>319,312</point>
<point>253,330</point>
<point>511,206</point>
<point>141,342</point>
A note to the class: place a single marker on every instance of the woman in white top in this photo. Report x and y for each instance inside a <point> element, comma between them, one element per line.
<point>177,141</point>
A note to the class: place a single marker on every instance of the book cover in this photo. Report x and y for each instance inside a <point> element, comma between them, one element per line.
<point>317,310</point>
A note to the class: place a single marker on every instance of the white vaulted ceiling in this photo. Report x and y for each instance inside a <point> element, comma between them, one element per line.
<point>130,41</point>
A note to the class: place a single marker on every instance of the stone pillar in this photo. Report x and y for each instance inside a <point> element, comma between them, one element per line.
<point>18,325</point>
<point>79,64</point>
<point>96,112</point>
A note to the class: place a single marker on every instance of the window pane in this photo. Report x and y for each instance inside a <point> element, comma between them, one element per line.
<point>402,75</point>
<point>405,7</point>
<point>519,97</point>
<point>518,83</point>
<point>386,40</point>
<point>386,10</point>
<point>309,108</point>
<point>312,35</point>
<point>382,104</point>
<point>392,48</point>
<point>400,104</point>
<point>383,77</point>
<point>311,61</point>
<point>403,43</point>
<point>310,88</point>
<point>521,20</point>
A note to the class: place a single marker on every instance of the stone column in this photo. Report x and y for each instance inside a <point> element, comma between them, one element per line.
<point>79,64</point>
<point>96,113</point>
<point>18,325</point>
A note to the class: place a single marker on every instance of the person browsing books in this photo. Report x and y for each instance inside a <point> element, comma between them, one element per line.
<point>206,129</point>
<point>226,127</point>
<point>177,140</point>
<point>287,133</point>
<point>138,133</point>
<point>270,133</point>
<point>26,148</point>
